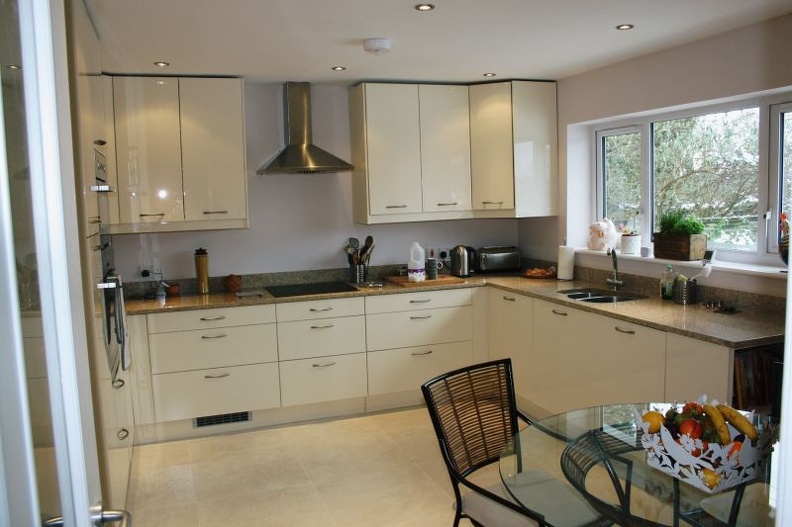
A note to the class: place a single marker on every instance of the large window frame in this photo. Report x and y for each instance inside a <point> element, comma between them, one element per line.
<point>771,108</point>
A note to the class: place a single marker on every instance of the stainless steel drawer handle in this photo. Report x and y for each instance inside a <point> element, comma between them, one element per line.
<point>323,326</point>
<point>419,353</point>
<point>562,313</point>
<point>509,298</point>
<point>395,206</point>
<point>421,301</point>
<point>152,214</point>
<point>94,220</point>
<point>424,317</point>
<point>212,319</point>
<point>320,309</point>
<point>492,203</point>
<point>622,330</point>
<point>324,365</point>
<point>218,336</point>
<point>217,376</point>
<point>215,212</point>
<point>122,434</point>
<point>453,204</point>
<point>118,384</point>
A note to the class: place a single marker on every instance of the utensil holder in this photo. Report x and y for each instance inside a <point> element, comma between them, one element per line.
<point>359,273</point>
<point>685,292</point>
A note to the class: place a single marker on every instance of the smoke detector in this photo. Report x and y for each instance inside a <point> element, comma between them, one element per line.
<point>378,45</point>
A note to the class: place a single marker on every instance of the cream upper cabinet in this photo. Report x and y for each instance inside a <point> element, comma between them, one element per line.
<point>213,149</point>
<point>514,153</point>
<point>148,149</point>
<point>179,153</point>
<point>445,147</point>
<point>410,149</point>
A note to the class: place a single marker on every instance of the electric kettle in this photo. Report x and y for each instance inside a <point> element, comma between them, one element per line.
<point>463,261</point>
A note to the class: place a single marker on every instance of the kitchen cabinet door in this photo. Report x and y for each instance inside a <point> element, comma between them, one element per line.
<point>213,153</point>
<point>445,147</point>
<point>148,149</point>
<point>491,146</point>
<point>511,334</point>
<point>695,367</point>
<point>393,148</point>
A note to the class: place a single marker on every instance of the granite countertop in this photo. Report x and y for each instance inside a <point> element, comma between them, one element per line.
<point>740,330</point>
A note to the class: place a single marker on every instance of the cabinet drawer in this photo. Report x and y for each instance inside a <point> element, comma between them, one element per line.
<point>211,318</point>
<point>408,368</point>
<point>212,348</point>
<point>325,379</point>
<point>314,309</point>
<point>302,339</point>
<point>217,391</point>
<point>418,300</point>
<point>419,328</point>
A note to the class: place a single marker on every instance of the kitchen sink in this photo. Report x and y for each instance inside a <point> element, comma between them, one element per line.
<point>599,296</point>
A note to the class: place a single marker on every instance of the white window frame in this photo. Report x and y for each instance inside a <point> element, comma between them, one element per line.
<point>770,108</point>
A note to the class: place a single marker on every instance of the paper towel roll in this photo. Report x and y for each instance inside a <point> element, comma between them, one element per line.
<point>566,262</point>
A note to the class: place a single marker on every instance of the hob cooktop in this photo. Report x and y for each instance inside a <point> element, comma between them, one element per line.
<point>316,288</point>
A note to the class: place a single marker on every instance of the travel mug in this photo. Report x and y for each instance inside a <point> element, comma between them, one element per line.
<point>202,271</point>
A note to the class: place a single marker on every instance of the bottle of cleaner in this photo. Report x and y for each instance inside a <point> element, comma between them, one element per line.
<point>416,265</point>
<point>667,283</point>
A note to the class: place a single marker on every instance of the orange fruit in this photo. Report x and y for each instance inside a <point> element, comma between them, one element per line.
<point>709,477</point>
<point>655,420</point>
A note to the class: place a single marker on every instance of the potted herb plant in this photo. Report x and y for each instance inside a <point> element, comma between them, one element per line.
<point>681,236</point>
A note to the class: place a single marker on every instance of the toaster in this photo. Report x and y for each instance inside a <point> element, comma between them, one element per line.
<point>498,258</point>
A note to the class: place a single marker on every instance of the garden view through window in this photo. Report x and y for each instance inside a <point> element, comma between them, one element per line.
<point>713,165</point>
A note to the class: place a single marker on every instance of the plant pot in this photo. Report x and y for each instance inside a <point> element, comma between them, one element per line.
<point>679,246</point>
<point>631,244</point>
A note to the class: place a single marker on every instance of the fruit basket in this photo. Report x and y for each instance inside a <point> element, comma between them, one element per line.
<point>710,446</point>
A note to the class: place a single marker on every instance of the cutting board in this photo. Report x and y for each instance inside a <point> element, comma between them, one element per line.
<point>440,280</point>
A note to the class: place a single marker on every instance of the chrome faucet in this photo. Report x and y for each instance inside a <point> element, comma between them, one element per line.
<point>614,280</point>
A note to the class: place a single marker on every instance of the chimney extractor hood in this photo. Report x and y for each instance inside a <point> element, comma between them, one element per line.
<point>301,156</point>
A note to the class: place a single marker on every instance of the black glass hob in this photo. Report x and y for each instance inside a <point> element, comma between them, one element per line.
<point>316,288</point>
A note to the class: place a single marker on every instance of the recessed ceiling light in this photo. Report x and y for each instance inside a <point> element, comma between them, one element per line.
<point>162,64</point>
<point>424,7</point>
<point>339,68</point>
<point>625,27</point>
<point>490,74</point>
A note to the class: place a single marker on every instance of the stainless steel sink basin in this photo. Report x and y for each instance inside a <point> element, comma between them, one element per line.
<point>599,296</point>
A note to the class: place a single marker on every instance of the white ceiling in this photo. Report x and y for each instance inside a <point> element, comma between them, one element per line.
<point>300,40</point>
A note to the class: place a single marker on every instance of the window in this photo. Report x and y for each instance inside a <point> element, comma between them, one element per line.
<point>715,163</point>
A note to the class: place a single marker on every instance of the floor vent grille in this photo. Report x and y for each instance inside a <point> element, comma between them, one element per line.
<point>222,419</point>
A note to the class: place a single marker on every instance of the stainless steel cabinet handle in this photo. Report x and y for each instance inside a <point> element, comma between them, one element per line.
<point>217,376</point>
<point>420,318</point>
<point>94,220</point>
<point>562,313</point>
<point>510,298</point>
<point>320,309</point>
<point>622,330</point>
<point>100,142</point>
<point>323,326</point>
<point>218,336</point>
<point>419,353</point>
<point>420,301</point>
<point>118,384</point>
<point>492,203</point>
<point>395,206</point>
<point>215,212</point>
<point>212,319</point>
<point>448,204</point>
<point>122,434</point>
<point>324,365</point>
<point>152,214</point>
<point>56,521</point>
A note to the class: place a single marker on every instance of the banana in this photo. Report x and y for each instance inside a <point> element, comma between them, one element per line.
<point>738,421</point>
<point>724,437</point>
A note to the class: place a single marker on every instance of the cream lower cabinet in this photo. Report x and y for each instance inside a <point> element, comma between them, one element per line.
<point>513,149</point>
<point>322,350</point>
<point>583,359</point>
<point>511,334</point>
<point>412,337</point>
<point>694,367</point>
<point>213,361</point>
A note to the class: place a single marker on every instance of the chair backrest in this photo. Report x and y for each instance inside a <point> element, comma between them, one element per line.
<point>474,413</point>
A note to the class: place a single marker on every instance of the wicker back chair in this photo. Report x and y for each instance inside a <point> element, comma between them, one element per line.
<point>474,413</point>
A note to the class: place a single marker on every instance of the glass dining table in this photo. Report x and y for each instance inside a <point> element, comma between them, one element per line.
<point>598,452</point>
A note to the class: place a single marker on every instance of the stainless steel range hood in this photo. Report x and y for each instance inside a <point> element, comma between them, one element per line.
<point>301,156</point>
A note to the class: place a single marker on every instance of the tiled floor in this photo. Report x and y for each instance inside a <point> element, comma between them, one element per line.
<point>381,470</point>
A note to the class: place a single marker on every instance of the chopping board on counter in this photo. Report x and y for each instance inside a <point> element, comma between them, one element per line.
<point>440,280</point>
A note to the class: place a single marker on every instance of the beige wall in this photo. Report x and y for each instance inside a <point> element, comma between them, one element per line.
<point>754,59</point>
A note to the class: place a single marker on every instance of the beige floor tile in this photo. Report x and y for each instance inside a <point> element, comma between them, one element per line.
<point>175,516</point>
<point>161,487</point>
<point>211,447</point>
<point>161,455</point>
